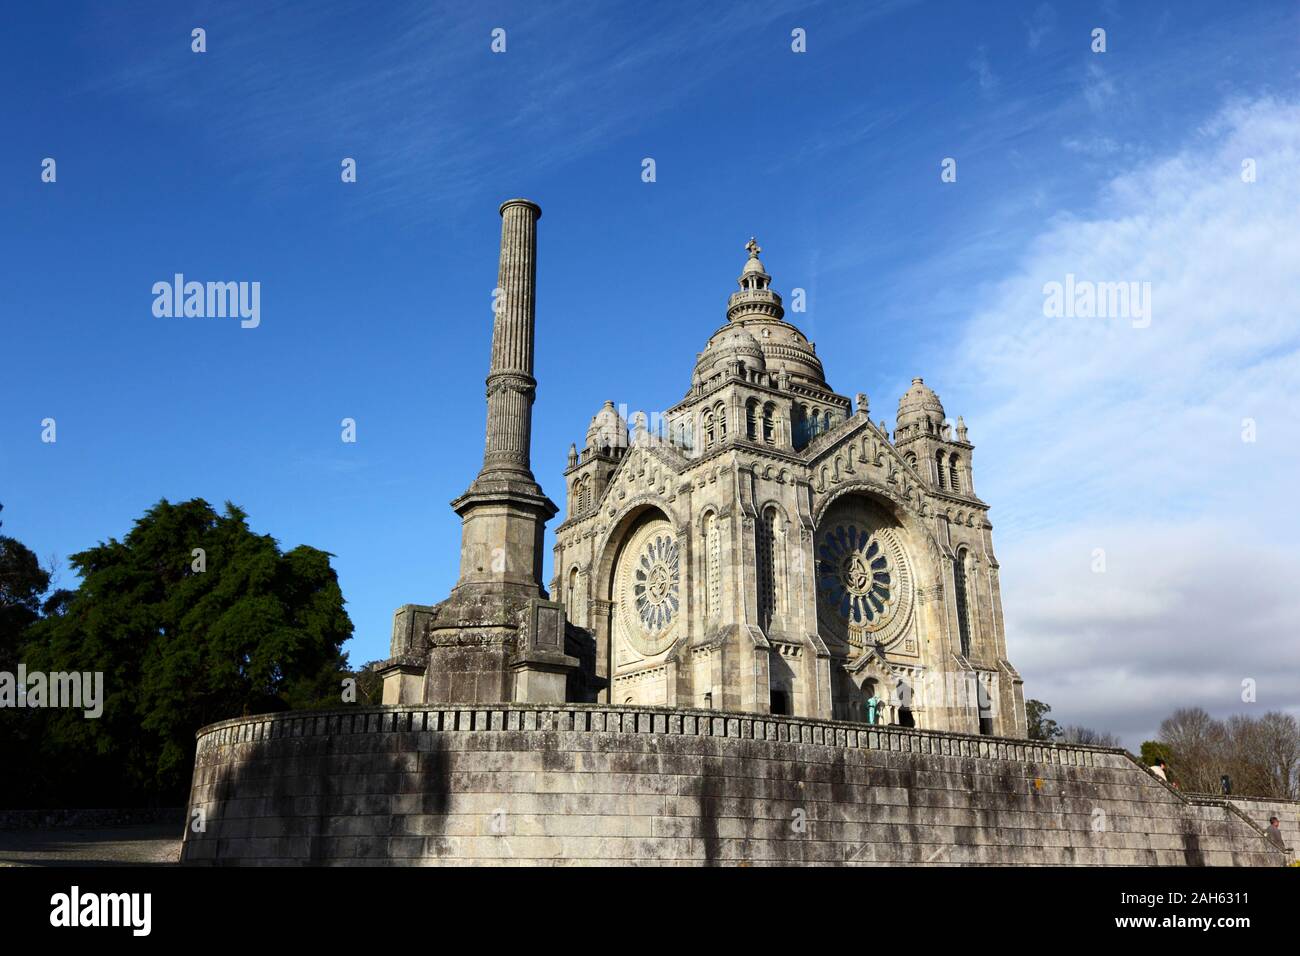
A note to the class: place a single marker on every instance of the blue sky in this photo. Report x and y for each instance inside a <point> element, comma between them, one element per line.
<point>376,295</point>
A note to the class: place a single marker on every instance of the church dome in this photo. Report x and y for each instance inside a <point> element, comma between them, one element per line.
<point>920,406</point>
<point>608,429</point>
<point>729,346</point>
<point>756,309</point>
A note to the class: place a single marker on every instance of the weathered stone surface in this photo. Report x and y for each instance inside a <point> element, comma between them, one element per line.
<point>573,783</point>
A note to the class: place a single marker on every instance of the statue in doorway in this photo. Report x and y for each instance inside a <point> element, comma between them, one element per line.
<point>875,706</point>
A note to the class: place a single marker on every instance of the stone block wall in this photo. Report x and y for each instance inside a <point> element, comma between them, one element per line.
<point>1260,809</point>
<point>598,784</point>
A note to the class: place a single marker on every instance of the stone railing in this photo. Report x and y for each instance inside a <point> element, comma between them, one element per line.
<point>629,719</point>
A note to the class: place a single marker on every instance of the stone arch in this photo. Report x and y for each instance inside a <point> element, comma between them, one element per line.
<point>922,629</point>
<point>868,679</point>
<point>638,630</point>
<point>573,596</point>
<point>624,521</point>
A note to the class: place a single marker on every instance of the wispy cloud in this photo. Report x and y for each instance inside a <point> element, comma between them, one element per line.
<point>432,111</point>
<point>1040,24</point>
<point>1098,434</point>
<point>979,65</point>
<point>1098,87</point>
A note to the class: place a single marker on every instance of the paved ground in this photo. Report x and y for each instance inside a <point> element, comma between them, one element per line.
<point>151,844</point>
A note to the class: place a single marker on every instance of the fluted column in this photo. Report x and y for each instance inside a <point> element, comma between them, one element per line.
<point>511,387</point>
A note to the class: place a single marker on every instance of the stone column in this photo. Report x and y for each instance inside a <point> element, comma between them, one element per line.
<point>498,637</point>
<point>504,511</point>
<point>511,387</point>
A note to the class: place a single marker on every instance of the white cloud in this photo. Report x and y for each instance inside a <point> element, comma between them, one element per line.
<point>1095,433</point>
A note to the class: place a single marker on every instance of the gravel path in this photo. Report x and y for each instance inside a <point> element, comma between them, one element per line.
<point>152,844</point>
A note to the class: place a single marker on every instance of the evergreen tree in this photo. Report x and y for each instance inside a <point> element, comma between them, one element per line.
<point>192,618</point>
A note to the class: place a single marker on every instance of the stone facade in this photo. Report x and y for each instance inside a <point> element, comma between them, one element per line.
<point>764,547</point>
<point>585,784</point>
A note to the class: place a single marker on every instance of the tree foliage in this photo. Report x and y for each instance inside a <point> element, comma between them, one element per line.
<point>1041,727</point>
<point>1153,751</point>
<point>22,582</point>
<point>184,637</point>
<point>1261,755</point>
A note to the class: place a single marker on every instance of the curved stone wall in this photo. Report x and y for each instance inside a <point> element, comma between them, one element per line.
<point>586,783</point>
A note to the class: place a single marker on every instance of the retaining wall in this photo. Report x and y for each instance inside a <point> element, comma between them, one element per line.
<point>591,784</point>
<point>1260,809</point>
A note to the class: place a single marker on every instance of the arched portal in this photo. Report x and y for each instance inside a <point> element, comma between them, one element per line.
<point>646,594</point>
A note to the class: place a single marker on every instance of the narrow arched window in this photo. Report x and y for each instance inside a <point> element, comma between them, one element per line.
<point>940,470</point>
<point>713,569</point>
<point>766,554</point>
<point>722,422</point>
<point>954,481</point>
<point>571,595</point>
<point>962,595</point>
<point>769,424</point>
<point>826,422</point>
<point>751,420</point>
<point>709,426</point>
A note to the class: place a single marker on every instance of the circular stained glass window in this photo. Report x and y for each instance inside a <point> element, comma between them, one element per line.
<point>649,584</point>
<point>864,582</point>
<point>655,582</point>
<point>853,570</point>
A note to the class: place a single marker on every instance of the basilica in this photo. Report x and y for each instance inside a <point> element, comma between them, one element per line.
<point>762,546</point>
